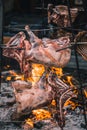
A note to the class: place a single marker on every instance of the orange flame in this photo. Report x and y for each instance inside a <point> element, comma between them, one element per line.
<point>29,122</point>
<point>53,103</point>
<point>71,103</point>
<point>58,71</point>
<point>41,114</point>
<point>17,76</point>
<point>8,78</point>
<point>69,80</point>
<point>85,92</point>
<point>37,71</point>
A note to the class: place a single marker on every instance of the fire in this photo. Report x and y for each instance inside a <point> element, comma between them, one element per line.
<point>85,92</point>
<point>53,103</point>
<point>58,71</point>
<point>69,80</point>
<point>8,78</point>
<point>7,67</point>
<point>30,122</point>
<point>16,76</point>
<point>37,71</point>
<point>41,114</point>
<point>71,103</point>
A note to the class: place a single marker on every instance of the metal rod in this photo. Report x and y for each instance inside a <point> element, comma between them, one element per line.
<point>1,36</point>
<point>72,43</point>
<point>11,121</point>
<point>45,29</point>
<point>4,47</point>
<point>77,65</point>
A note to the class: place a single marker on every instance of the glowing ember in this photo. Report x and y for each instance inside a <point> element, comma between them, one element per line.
<point>29,122</point>
<point>7,67</point>
<point>53,103</point>
<point>58,71</point>
<point>69,80</point>
<point>71,103</point>
<point>41,114</point>
<point>8,78</point>
<point>21,77</point>
<point>85,92</point>
<point>17,76</point>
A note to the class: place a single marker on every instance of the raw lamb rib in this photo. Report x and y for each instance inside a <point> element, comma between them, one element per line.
<point>16,48</point>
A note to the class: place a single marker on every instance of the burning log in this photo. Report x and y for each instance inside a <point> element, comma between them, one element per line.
<point>59,15</point>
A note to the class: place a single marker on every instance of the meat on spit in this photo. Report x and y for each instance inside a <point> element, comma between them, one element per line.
<point>29,98</point>
<point>36,50</point>
<point>41,94</point>
<point>42,51</point>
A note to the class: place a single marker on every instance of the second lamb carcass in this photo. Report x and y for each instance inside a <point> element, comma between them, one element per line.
<point>29,97</point>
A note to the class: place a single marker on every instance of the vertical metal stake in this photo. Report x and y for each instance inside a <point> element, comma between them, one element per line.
<point>1,37</point>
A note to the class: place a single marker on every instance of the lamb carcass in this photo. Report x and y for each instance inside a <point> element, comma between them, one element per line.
<point>29,98</point>
<point>41,94</point>
<point>43,51</point>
